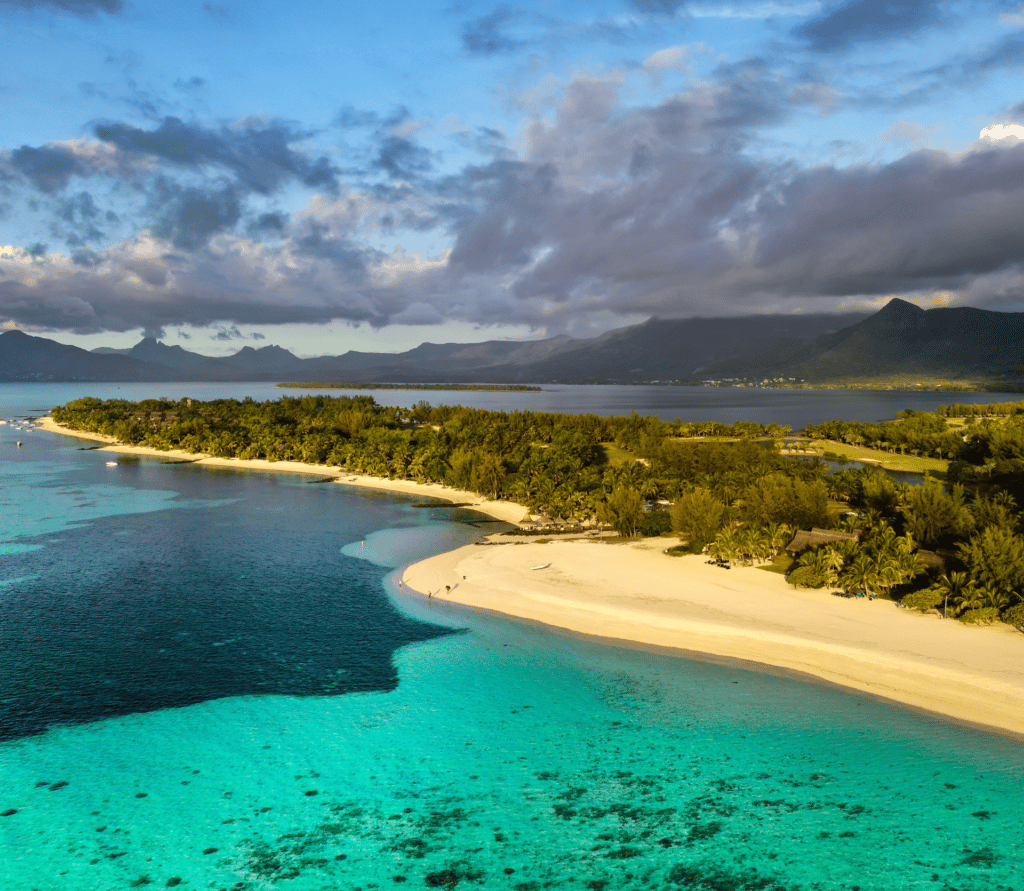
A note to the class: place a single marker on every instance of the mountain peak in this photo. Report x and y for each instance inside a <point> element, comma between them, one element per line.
<point>900,309</point>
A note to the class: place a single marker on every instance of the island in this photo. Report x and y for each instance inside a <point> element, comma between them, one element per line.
<point>356,385</point>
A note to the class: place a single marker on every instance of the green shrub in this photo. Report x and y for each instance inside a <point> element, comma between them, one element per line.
<point>1015,616</point>
<point>985,616</point>
<point>655,522</point>
<point>929,598</point>
<point>805,577</point>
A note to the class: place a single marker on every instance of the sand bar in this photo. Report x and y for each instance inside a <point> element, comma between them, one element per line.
<point>635,592</point>
<point>506,511</point>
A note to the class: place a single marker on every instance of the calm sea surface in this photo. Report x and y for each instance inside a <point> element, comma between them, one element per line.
<point>798,408</point>
<point>207,681</point>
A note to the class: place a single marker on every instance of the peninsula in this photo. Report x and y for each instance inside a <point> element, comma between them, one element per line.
<point>733,497</point>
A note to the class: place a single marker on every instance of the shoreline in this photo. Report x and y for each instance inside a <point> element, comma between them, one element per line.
<point>633,594</point>
<point>506,511</point>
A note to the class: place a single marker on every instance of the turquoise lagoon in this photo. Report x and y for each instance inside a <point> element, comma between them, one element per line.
<point>208,681</point>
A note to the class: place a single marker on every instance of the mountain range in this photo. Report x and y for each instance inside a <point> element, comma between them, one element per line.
<point>901,341</point>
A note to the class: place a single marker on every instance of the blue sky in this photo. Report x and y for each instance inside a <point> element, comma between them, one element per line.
<point>333,176</point>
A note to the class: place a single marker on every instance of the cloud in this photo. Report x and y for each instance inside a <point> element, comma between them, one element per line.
<point>49,168</point>
<point>844,25</point>
<point>82,8</point>
<point>489,35</point>
<point>190,216</point>
<point>658,7</point>
<point>402,159</point>
<point>903,132</point>
<point>605,210</point>
<point>216,11</point>
<point>930,220</point>
<point>996,132</point>
<point>257,153</point>
<point>227,333</point>
<point>670,57</point>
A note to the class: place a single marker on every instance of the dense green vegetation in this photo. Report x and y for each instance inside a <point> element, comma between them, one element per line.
<point>734,497</point>
<point>341,385</point>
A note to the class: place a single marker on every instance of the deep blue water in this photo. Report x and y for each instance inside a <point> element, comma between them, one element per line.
<point>207,681</point>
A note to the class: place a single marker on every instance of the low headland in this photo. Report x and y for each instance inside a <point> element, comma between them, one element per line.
<point>354,385</point>
<point>594,582</point>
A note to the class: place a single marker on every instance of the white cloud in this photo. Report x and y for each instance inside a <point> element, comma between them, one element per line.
<point>670,57</point>
<point>1002,131</point>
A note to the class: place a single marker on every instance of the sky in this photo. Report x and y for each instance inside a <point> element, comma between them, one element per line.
<point>333,176</point>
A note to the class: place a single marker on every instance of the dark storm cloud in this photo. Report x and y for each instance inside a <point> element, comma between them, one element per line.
<point>273,223</point>
<point>77,218</point>
<point>841,26</point>
<point>259,155</point>
<point>402,158</point>
<point>86,257</point>
<point>48,168</point>
<point>751,95</point>
<point>82,8</point>
<point>928,220</point>
<point>319,241</point>
<point>190,216</point>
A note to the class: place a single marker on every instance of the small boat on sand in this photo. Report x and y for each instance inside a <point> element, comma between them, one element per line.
<point>542,566</point>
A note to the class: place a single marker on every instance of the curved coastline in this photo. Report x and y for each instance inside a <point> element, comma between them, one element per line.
<point>506,511</point>
<point>634,593</point>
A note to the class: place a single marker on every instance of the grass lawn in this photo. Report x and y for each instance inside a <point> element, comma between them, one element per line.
<point>616,455</point>
<point>909,463</point>
<point>780,564</point>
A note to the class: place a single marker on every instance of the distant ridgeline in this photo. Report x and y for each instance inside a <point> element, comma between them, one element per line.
<point>738,500</point>
<point>350,385</point>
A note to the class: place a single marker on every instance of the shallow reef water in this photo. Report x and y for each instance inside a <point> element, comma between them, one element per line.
<point>207,681</point>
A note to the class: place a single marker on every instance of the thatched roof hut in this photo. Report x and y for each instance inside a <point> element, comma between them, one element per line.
<point>931,560</point>
<point>804,539</point>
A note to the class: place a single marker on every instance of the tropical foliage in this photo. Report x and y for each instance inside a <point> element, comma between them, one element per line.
<point>722,488</point>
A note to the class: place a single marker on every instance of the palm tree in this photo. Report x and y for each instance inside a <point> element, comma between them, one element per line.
<point>967,599</point>
<point>778,535</point>
<point>953,585</point>
<point>860,574</point>
<point>993,597</point>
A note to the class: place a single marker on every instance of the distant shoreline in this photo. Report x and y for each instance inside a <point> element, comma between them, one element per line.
<point>341,385</point>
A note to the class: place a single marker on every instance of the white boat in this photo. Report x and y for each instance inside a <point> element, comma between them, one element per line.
<point>111,464</point>
<point>542,566</point>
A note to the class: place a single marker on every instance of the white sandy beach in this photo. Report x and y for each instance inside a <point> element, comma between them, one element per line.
<point>635,592</point>
<point>507,511</point>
